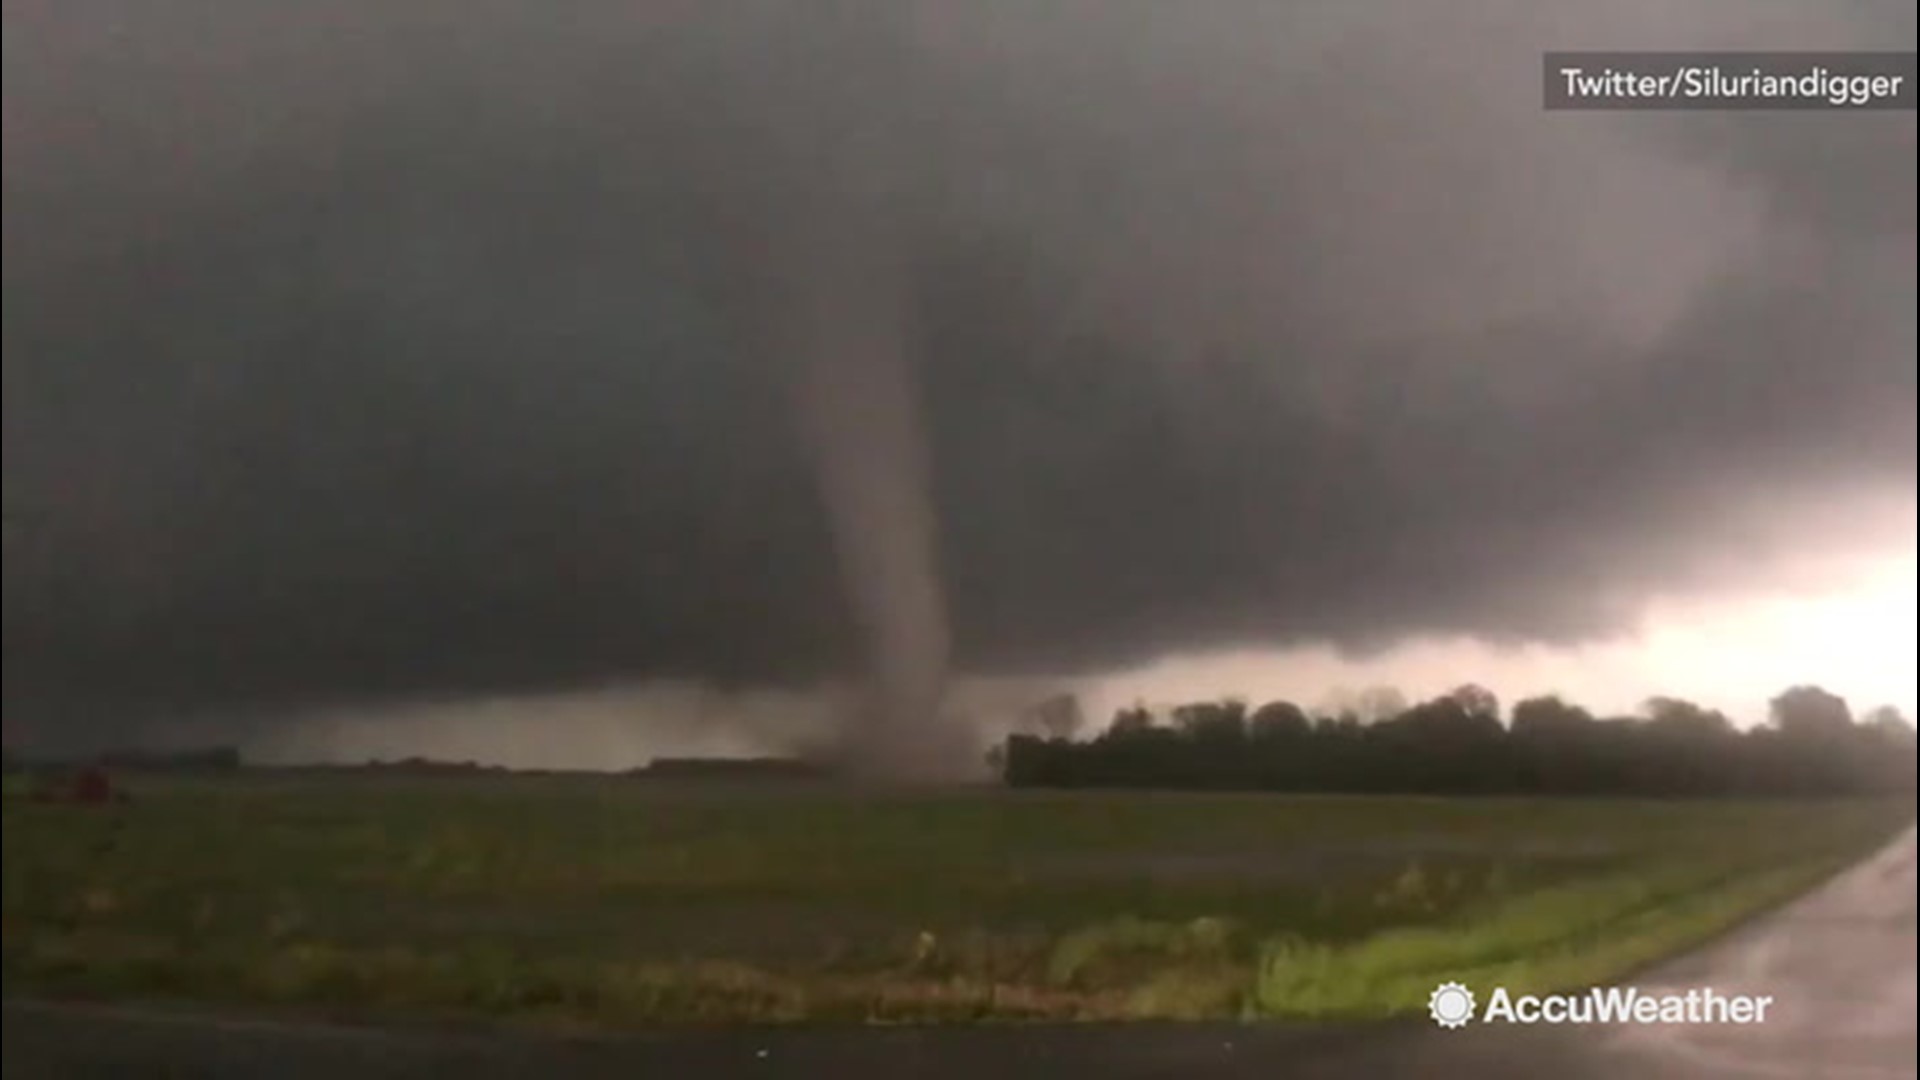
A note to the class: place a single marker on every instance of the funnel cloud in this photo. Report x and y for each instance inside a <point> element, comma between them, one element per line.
<point>369,353</point>
<point>858,412</point>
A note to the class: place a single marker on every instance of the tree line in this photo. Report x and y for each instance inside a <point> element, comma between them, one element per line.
<point>1462,743</point>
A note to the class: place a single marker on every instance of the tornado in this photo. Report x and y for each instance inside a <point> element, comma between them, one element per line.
<point>845,326</point>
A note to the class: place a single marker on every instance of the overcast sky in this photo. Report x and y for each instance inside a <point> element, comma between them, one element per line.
<point>359,354</point>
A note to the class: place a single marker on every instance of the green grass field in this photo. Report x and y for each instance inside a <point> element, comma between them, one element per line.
<point>608,903</point>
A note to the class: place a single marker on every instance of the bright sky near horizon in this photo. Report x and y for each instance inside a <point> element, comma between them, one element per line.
<point>1857,640</point>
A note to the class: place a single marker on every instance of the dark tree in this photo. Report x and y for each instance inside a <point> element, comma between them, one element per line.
<point>1058,717</point>
<point>1131,721</point>
<point>1456,744</point>
<point>1808,712</point>
<point>1477,700</point>
<point>1278,721</point>
<point>1549,717</point>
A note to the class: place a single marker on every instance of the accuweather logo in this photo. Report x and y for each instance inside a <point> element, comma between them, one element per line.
<point>1452,1005</point>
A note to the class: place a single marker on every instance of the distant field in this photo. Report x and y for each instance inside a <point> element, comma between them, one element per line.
<point>606,903</point>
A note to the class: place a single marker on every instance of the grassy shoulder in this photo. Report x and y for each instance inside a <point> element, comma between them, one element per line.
<point>1581,935</point>
<point>767,920</point>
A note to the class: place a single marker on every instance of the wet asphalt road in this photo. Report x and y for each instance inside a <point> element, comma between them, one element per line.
<point>1839,964</point>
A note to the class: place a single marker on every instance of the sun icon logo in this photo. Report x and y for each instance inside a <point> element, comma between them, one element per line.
<point>1450,1005</point>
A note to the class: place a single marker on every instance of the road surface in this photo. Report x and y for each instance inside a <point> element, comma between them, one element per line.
<point>1839,964</point>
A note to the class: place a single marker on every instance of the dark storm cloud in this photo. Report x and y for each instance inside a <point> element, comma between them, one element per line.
<point>362,349</point>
